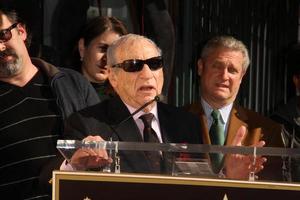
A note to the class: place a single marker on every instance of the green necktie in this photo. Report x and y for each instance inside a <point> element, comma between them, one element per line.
<point>217,137</point>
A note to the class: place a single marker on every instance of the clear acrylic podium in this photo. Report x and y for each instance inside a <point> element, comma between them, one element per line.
<point>183,159</point>
<point>189,171</point>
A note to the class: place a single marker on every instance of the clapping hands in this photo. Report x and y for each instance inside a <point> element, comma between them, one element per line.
<point>239,166</point>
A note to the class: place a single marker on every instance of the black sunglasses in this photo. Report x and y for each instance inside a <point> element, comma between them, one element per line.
<point>136,65</point>
<point>5,34</point>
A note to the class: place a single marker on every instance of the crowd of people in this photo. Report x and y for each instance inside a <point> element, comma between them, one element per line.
<point>118,74</point>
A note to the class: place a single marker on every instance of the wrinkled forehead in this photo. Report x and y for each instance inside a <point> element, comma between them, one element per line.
<point>136,49</point>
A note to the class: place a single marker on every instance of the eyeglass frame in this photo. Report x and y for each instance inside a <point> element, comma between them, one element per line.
<point>136,61</point>
<point>8,30</point>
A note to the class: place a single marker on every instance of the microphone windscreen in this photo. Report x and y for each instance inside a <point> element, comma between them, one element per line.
<point>159,98</point>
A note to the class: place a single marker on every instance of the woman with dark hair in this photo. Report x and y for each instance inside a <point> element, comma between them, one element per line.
<point>96,36</point>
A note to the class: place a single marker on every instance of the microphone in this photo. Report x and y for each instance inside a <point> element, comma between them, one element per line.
<point>113,127</point>
<point>157,98</point>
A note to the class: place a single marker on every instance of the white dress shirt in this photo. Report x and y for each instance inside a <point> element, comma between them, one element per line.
<point>155,122</point>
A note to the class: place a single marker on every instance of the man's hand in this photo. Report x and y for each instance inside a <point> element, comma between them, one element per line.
<point>86,158</point>
<point>238,166</point>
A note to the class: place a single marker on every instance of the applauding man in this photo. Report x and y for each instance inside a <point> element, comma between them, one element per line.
<point>223,63</point>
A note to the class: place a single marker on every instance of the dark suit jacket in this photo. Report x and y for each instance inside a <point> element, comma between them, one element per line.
<point>177,126</point>
<point>289,116</point>
<point>259,128</point>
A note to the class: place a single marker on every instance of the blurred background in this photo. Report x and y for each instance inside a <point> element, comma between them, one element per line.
<point>267,27</point>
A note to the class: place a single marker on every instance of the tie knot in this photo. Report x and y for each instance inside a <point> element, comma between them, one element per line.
<point>147,119</point>
<point>216,115</point>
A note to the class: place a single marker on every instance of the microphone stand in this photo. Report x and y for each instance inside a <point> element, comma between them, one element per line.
<point>156,98</point>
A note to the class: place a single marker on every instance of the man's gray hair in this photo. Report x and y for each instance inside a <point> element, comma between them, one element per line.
<point>228,42</point>
<point>126,39</point>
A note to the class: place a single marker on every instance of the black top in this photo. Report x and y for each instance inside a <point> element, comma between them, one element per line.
<point>104,90</point>
<point>176,125</point>
<point>30,124</point>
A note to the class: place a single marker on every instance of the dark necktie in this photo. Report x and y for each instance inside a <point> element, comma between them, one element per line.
<point>217,137</point>
<point>150,136</point>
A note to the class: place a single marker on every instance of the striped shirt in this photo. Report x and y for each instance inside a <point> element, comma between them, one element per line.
<point>29,127</point>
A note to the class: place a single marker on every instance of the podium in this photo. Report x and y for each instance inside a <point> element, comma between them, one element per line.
<point>184,182</point>
<point>94,186</point>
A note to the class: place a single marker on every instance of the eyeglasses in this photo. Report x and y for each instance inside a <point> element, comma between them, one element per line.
<point>136,65</point>
<point>5,34</point>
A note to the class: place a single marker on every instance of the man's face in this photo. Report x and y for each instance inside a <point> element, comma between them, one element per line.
<point>10,59</point>
<point>221,75</point>
<point>136,88</point>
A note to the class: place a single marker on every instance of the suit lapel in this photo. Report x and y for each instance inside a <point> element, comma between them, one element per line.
<point>237,118</point>
<point>198,109</point>
<point>127,131</point>
<point>205,130</point>
<point>164,123</point>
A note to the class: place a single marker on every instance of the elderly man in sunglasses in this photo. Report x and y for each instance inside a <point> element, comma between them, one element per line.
<point>136,74</point>
<point>35,97</point>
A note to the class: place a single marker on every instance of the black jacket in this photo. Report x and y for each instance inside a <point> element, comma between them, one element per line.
<point>176,125</point>
<point>289,116</point>
<point>72,90</point>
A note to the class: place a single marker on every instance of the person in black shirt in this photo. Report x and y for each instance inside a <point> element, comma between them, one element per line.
<point>289,114</point>
<point>35,98</point>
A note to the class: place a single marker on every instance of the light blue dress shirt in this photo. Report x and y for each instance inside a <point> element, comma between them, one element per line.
<point>225,112</point>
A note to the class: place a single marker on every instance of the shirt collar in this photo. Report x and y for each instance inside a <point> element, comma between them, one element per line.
<point>137,115</point>
<point>224,111</point>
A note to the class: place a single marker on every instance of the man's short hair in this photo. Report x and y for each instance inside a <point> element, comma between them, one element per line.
<point>228,42</point>
<point>129,39</point>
